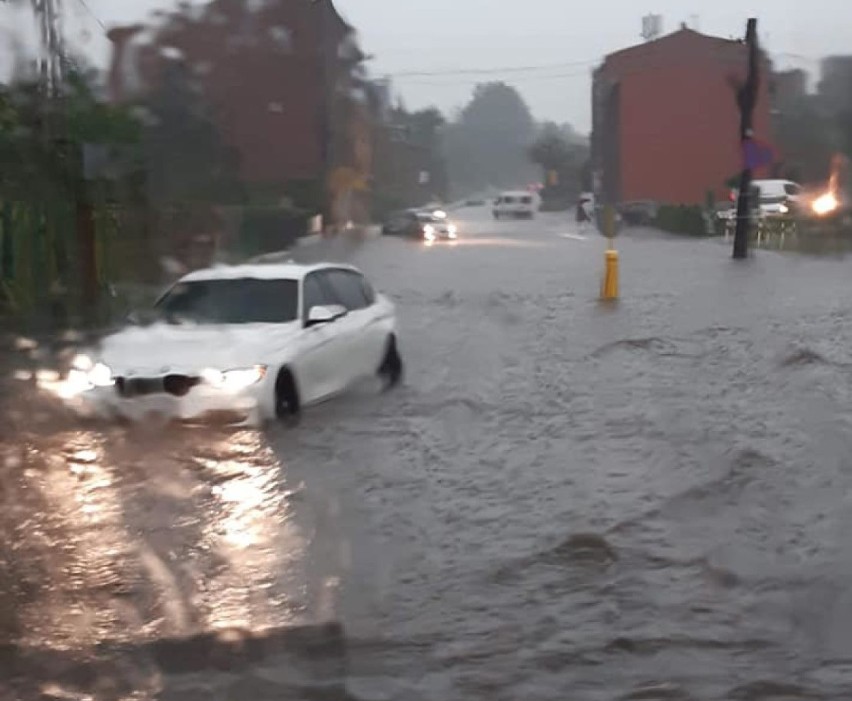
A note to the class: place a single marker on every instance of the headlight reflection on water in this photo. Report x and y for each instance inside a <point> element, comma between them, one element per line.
<point>250,526</point>
<point>82,527</point>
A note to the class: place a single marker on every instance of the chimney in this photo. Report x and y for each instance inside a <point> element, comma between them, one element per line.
<point>120,37</point>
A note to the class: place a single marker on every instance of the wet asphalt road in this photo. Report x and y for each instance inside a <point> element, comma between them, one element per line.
<point>565,500</point>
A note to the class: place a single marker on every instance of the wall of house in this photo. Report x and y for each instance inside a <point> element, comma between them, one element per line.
<point>676,134</point>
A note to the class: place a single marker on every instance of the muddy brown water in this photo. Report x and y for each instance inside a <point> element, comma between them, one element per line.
<point>648,501</point>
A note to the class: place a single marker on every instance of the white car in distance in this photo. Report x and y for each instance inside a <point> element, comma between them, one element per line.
<point>520,205</point>
<point>249,343</point>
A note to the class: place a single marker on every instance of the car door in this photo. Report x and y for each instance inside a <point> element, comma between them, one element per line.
<point>364,335</point>
<point>321,351</point>
<point>412,225</point>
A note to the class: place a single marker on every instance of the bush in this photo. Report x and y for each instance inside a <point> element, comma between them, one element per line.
<point>268,229</point>
<point>682,219</point>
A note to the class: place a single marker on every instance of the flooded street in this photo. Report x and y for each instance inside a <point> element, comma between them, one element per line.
<point>565,500</point>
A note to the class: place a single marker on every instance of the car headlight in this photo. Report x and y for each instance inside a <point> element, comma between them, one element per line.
<point>429,232</point>
<point>86,373</point>
<point>236,379</point>
<point>452,230</point>
<point>784,209</point>
<point>101,375</point>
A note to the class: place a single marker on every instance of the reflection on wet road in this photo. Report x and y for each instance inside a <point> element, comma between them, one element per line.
<point>564,501</point>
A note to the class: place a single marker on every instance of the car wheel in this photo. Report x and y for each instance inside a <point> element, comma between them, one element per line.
<point>287,404</point>
<point>391,369</point>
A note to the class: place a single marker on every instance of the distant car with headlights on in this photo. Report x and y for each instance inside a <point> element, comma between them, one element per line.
<point>428,225</point>
<point>246,343</point>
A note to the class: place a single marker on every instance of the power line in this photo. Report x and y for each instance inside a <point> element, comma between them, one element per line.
<point>525,79</point>
<point>488,71</point>
<point>640,68</point>
<point>85,5</point>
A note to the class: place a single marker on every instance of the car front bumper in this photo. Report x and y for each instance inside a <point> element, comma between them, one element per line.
<point>202,404</point>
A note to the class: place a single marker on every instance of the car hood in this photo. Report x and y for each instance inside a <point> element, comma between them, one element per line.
<point>187,348</point>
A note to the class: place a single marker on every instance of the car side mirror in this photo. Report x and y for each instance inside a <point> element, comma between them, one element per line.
<point>325,314</point>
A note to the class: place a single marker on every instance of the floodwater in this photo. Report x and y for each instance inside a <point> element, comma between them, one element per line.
<point>566,500</point>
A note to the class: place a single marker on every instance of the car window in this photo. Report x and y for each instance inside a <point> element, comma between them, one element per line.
<point>315,293</point>
<point>367,289</point>
<point>508,200</point>
<point>233,301</point>
<point>526,200</point>
<point>348,288</point>
<point>791,189</point>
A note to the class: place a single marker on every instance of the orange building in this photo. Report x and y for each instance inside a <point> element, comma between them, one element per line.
<point>666,120</point>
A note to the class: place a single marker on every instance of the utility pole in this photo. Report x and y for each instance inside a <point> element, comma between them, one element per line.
<point>326,78</point>
<point>746,99</point>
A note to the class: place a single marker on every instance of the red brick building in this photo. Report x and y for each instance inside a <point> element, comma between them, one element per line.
<point>666,122</point>
<point>272,70</point>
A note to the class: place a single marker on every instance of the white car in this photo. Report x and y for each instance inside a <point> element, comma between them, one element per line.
<point>775,199</point>
<point>519,204</point>
<point>250,343</point>
<point>778,198</point>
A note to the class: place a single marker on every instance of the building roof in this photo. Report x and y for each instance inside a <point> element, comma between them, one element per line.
<point>683,35</point>
<point>686,43</point>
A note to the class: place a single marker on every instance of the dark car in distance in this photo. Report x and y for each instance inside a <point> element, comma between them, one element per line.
<point>418,224</point>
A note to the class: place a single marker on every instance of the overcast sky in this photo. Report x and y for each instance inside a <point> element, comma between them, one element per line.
<point>565,38</point>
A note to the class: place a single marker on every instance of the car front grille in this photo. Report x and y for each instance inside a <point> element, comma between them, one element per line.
<point>175,385</point>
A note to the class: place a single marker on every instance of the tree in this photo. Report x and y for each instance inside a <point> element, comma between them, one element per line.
<point>806,140</point>
<point>185,156</point>
<point>408,144</point>
<point>46,193</point>
<point>563,158</point>
<point>487,145</point>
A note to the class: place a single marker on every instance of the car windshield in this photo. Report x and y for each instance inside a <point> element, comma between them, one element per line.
<point>235,301</point>
<point>426,217</point>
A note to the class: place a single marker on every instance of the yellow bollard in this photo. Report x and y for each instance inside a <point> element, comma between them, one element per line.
<point>609,288</point>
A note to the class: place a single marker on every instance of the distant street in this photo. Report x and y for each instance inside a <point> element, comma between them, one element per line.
<point>565,499</point>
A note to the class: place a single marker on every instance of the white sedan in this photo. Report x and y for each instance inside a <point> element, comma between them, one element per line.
<point>250,342</point>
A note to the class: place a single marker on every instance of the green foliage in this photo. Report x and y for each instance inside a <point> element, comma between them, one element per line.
<point>184,155</point>
<point>807,137</point>
<point>268,229</point>
<point>43,135</point>
<point>557,152</point>
<point>682,219</point>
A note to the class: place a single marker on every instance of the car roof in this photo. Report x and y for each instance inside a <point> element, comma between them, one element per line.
<point>514,193</point>
<point>262,271</point>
